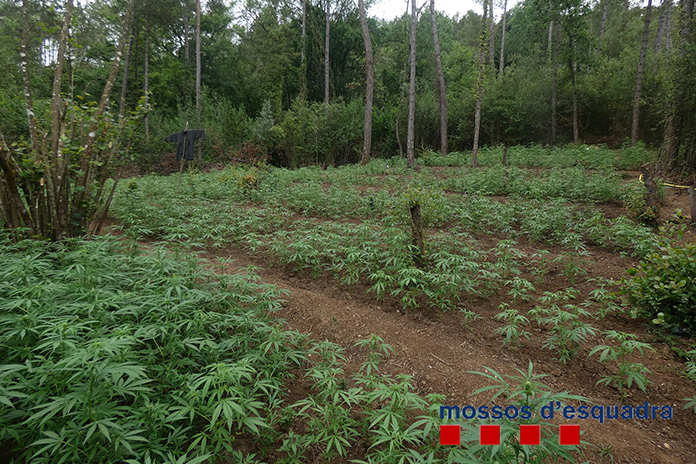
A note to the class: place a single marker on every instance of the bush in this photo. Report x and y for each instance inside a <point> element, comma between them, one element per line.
<point>666,283</point>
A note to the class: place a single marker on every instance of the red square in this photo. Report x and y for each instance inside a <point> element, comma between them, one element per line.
<point>450,434</point>
<point>569,435</point>
<point>530,434</point>
<point>489,434</point>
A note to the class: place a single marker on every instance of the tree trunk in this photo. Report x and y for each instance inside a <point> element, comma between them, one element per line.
<point>502,40</point>
<point>198,76</point>
<point>440,80</point>
<point>124,82</point>
<point>652,200</point>
<point>303,58</point>
<point>491,36</point>
<point>410,136</point>
<point>327,36</point>
<point>479,87</point>
<point>147,80</point>
<point>639,76</point>
<point>78,204</point>
<point>26,76</point>
<point>692,203</point>
<point>417,235</point>
<point>603,25</point>
<point>553,37</point>
<point>369,83</point>
<point>664,14</point>
<point>576,132</point>
<point>186,37</point>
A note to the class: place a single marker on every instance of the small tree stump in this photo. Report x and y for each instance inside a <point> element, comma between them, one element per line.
<point>652,199</point>
<point>417,233</point>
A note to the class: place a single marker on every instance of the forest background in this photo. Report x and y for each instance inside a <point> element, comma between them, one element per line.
<point>540,65</point>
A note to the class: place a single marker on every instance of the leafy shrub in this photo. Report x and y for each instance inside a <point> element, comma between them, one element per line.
<point>665,282</point>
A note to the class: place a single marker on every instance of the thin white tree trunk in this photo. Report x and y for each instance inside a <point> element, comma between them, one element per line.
<point>124,82</point>
<point>491,35</point>
<point>442,90</point>
<point>410,136</point>
<point>502,40</point>
<point>369,83</point>
<point>303,58</point>
<point>198,75</point>
<point>327,34</point>
<point>147,79</point>
<point>479,87</point>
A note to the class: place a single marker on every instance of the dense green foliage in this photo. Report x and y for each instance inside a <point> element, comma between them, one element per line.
<point>252,76</point>
<point>109,355</point>
<point>663,286</point>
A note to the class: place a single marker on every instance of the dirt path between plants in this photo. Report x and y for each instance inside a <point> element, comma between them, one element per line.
<point>438,350</point>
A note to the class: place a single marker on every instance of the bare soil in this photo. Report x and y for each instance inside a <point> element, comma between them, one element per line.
<point>439,351</point>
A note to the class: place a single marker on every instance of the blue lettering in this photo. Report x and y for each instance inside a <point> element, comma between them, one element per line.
<point>526,413</point>
<point>449,410</point>
<point>597,413</point>
<point>497,412</point>
<point>514,410</point>
<point>568,412</point>
<point>468,408</point>
<point>583,412</point>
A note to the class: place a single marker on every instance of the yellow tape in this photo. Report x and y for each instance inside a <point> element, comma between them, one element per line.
<point>640,179</point>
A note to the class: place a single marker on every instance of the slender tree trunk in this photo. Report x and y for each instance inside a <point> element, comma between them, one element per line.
<point>124,82</point>
<point>491,36</point>
<point>479,87</point>
<point>327,36</point>
<point>303,58</point>
<point>673,126</point>
<point>639,76</point>
<point>186,37</point>
<point>410,136</point>
<point>86,156</point>
<point>554,79</point>
<point>369,83</point>
<point>26,76</point>
<point>198,76</point>
<point>576,132</point>
<point>440,81</point>
<point>147,80</point>
<point>502,40</point>
<point>417,235</point>
<point>603,25</point>
<point>664,13</point>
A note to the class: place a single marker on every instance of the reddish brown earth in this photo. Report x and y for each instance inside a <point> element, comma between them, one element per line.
<point>439,350</point>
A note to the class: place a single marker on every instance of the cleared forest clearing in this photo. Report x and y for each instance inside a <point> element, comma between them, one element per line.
<point>520,265</point>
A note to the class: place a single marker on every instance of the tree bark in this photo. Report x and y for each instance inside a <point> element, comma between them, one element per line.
<point>147,80</point>
<point>78,203</point>
<point>603,25</point>
<point>554,79</point>
<point>639,76</point>
<point>124,82</point>
<point>369,84</point>
<point>479,87</point>
<point>440,80</point>
<point>186,36</point>
<point>327,36</point>
<point>664,15</point>
<point>491,36</point>
<point>670,156</point>
<point>410,136</point>
<point>303,58</point>
<point>502,40</point>
<point>26,76</point>
<point>417,235</point>
<point>198,76</point>
<point>576,131</point>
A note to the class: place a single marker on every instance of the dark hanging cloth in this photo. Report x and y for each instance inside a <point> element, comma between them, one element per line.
<point>186,141</point>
